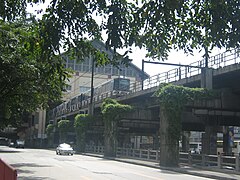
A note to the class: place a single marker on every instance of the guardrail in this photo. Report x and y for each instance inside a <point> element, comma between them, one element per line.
<point>7,172</point>
<point>216,161</point>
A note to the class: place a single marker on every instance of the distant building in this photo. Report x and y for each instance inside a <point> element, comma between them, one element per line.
<point>79,83</point>
<point>81,78</point>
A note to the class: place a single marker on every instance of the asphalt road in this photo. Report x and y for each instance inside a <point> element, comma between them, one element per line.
<point>39,164</point>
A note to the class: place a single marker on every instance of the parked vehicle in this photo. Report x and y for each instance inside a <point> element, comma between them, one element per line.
<point>11,144</point>
<point>64,149</point>
<point>20,144</point>
<point>195,147</point>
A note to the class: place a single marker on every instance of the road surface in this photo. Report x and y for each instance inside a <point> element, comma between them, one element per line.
<point>36,164</point>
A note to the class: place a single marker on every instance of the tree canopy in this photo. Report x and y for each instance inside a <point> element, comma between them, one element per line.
<point>157,25</point>
<point>30,77</point>
<point>31,49</point>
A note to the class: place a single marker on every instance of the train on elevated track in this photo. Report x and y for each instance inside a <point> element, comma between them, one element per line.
<point>117,86</point>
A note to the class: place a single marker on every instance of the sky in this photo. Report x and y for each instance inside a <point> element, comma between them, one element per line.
<point>177,57</point>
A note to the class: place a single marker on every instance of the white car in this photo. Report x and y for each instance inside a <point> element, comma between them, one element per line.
<point>64,149</point>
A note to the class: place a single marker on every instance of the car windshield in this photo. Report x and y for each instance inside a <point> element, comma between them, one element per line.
<point>64,146</point>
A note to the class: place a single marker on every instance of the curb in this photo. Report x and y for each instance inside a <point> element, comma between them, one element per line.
<point>179,170</point>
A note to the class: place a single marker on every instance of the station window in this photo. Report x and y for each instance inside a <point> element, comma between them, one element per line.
<point>83,89</point>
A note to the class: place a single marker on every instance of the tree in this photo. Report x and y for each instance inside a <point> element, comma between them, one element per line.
<point>81,125</point>
<point>64,127</point>
<point>159,26</point>
<point>186,25</point>
<point>172,100</point>
<point>112,112</point>
<point>31,78</point>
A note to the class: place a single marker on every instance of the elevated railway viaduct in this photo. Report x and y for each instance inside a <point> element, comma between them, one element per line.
<point>209,116</point>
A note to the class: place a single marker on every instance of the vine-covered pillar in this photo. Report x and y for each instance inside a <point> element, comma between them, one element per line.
<point>169,147</point>
<point>110,138</point>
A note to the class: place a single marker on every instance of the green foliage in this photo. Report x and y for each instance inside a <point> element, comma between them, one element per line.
<point>157,25</point>
<point>81,125</point>
<point>49,129</point>
<point>82,121</point>
<point>173,98</point>
<point>63,125</point>
<point>186,25</point>
<point>112,110</point>
<point>32,73</point>
<point>31,78</point>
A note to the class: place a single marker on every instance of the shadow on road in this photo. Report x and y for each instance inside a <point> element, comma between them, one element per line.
<point>19,165</point>
<point>21,169</point>
<point>34,178</point>
<point>9,151</point>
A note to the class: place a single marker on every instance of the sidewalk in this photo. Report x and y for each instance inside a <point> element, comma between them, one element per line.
<point>206,172</point>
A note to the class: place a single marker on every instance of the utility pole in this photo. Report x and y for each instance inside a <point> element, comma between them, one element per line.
<point>142,78</point>
<point>91,108</point>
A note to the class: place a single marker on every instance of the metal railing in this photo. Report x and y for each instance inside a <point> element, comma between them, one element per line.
<point>215,161</point>
<point>215,62</point>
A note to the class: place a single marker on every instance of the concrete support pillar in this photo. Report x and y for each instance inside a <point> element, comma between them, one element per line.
<point>237,163</point>
<point>156,141</point>
<point>185,141</point>
<point>206,78</point>
<point>209,140</point>
<point>169,148</point>
<point>227,149</point>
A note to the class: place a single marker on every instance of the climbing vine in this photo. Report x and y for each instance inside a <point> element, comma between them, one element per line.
<point>49,129</point>
<point>63,126</point>
<point>81,125</point>
<point>112,111</point>
<point>173,98</point>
